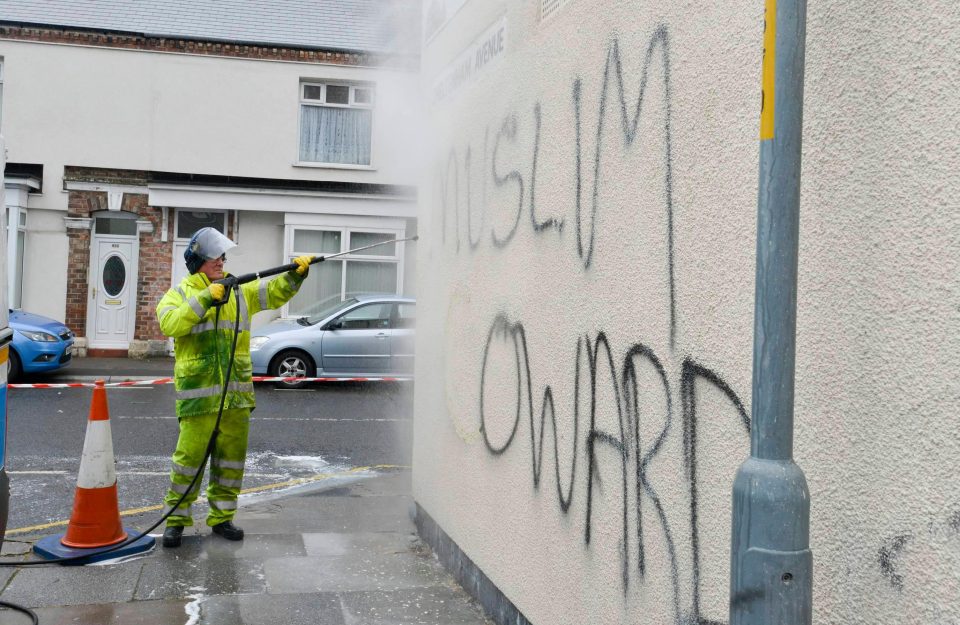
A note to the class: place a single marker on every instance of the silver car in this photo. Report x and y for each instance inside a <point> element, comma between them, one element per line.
<point>363,336</point>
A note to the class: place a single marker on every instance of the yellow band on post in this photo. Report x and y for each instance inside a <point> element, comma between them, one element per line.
<point>769,65</point>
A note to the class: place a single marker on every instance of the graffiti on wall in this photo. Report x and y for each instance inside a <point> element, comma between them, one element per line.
<point>925,548</point>
<point>595,361</point>
<point>604,384</point>
<point>462,218</point>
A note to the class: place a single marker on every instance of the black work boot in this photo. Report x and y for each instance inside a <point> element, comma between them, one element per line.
<point>228,530</point>
<point>172,536</point>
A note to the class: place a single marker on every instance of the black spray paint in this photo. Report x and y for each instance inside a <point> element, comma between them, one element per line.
<point>594,355</point>
<point>515,176</point>
<point>887,559</point>
<point>629,126</point>
<point>600,362</point>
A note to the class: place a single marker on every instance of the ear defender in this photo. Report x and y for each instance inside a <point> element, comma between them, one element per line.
<point>192,257</point>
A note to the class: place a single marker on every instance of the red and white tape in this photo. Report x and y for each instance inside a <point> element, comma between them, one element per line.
<point>170,381</point>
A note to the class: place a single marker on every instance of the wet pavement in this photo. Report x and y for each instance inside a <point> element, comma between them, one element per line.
<point>346,554</point>
<point>108,369</point>
<point>336,551</point>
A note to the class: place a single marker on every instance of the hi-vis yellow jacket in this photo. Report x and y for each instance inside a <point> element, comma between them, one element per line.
<point>202,352</point>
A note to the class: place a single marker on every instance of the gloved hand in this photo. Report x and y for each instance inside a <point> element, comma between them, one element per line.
<point>303,264</point>
<point>216,291</point>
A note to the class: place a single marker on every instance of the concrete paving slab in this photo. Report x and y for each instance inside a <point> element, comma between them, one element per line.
<point>291,609</point>
<point>393,483</point>
<point>353,572</point>
<point>6,572</point>
<point>448,605</point>
<point>337,514</point>
<point>172,578</point>
<point>137,613</point>
<point>212,547</point>
<point>55,585</point>
<point>342,554</point>
<point>21,546</point>
<point>367,544</point>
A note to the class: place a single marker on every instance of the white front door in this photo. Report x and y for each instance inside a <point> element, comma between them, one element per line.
<point>179,266</point>
<point>111,312</point>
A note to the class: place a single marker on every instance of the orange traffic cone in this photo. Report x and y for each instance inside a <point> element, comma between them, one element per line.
<point>95,521</point>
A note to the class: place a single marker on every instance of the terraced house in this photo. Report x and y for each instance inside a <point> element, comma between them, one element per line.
<point>287,126</point>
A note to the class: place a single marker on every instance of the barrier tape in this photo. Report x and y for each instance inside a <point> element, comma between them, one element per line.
<point>170,381</point>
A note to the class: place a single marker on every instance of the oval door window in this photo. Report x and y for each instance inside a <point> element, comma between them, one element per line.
<point>114,276</point>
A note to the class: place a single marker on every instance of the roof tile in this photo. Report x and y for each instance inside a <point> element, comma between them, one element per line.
<point>358,25</point>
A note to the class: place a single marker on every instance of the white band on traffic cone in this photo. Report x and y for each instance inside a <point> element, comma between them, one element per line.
<point>97,469</point>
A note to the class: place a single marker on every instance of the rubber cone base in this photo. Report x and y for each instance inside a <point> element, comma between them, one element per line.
<point>51,548</point>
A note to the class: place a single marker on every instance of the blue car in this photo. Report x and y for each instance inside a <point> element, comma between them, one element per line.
<point>39,344</point>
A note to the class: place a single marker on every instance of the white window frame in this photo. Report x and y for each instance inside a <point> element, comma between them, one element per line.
<point>322,103</point>
<point>179,244</point>
<point>179,211</point>
<point>345,226</point>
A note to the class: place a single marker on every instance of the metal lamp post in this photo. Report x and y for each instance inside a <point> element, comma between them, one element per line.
<point>771,562</point>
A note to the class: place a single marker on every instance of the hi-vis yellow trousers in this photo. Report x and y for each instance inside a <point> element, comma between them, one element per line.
<point>226,466</point>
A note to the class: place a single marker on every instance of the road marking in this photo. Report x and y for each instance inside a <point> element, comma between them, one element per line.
<point>153,473</point>
<point>319,477</point>
<point>278,419</point>
<point>38,472</point>
<point>320,419</point>
<point>142,418</point>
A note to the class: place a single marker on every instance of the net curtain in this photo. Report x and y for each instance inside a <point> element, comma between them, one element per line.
<point>335,135</point>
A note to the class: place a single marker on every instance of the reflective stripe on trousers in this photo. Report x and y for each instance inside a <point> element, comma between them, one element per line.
<point>215,391</point>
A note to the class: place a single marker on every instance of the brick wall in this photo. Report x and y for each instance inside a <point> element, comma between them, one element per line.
<point>79,204</point>
<point>155,260</point>
<point>107,176</point>
<point>155,266</point>
<point>131,41</point>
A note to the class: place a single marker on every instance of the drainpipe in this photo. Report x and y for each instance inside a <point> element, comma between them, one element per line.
<point>771,563</point>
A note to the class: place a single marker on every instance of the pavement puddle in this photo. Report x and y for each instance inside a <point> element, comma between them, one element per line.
<point>193,608</point>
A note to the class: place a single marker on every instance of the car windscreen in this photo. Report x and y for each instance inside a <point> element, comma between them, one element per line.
<point>329,310</point>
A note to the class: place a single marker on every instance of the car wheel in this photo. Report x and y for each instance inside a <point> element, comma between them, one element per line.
<point>292,364</point>
<point>15,370</point>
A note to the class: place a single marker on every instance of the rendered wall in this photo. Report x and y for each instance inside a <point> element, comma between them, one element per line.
<point>586,270</point>
<point>43,274</point>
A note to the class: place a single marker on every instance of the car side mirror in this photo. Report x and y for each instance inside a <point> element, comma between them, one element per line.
<point>334,325</point>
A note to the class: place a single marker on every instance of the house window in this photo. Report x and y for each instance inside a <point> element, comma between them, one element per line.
<point>377,270</point>
<point>335,123</point>
<point>188,222</point>
<point>115,223</point>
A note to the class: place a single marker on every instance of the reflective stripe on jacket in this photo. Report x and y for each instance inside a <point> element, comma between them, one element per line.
<point>202,352</point>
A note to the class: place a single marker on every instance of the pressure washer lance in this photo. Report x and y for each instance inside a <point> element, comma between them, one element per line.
<point>231,282</point>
